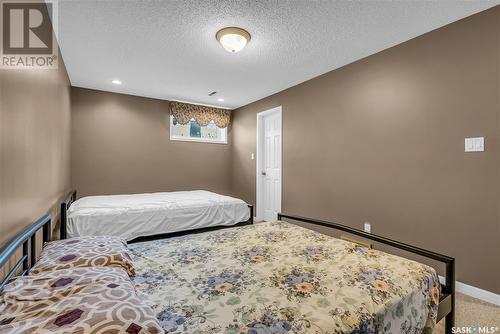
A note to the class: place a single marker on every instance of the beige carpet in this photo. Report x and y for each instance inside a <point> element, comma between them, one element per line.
<point>473,312</point>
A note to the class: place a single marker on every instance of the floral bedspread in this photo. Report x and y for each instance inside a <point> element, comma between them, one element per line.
<point>281,278</point>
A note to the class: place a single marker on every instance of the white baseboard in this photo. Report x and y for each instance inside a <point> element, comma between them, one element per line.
<point>478,293</point>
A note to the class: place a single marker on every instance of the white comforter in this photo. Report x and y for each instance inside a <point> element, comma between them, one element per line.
<point>131,216</point>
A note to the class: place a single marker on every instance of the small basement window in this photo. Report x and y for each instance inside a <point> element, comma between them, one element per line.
<point>192,131</point>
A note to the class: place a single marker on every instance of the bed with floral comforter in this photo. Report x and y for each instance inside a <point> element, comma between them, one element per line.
<point>282,278</point>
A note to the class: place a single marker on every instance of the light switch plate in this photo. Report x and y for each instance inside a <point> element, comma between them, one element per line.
<point>475,144</point>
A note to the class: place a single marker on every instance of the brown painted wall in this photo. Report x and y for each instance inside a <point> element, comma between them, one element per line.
<point>34,145</point>
<point>382,140</point>
<point>121,144</point>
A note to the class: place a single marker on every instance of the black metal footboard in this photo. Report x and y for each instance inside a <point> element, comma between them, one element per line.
<point>446,307</point>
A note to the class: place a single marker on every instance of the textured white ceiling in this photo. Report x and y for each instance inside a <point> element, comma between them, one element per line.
<point>168,50</point>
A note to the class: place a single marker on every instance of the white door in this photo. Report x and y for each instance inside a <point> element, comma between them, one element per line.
<point>269,161</point>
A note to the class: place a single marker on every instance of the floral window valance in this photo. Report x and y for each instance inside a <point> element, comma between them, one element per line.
<point>203,115</point>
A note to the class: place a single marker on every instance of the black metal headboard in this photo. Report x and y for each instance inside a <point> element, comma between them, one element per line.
<point>27,240</point>
<point>70,198</point>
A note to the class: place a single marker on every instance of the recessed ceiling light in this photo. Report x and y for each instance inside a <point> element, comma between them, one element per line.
<point>220,99</point>
<point>233,39</point>
<point>117,82</point>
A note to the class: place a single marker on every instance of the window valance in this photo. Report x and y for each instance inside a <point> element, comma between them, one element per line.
<point>184,112</point>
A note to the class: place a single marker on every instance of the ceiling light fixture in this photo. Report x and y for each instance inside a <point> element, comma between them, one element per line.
<point>220,99</point>
<point>116,82</point>
<point>233,39</point>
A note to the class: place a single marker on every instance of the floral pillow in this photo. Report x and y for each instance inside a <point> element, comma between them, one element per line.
<point>76,300</point>
<point>99,251</point>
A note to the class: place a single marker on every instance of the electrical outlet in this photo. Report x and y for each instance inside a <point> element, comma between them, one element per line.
<point>368,227</point>
<point>252,156</point>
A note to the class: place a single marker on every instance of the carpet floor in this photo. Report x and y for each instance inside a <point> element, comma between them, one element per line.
<point>472,312</point>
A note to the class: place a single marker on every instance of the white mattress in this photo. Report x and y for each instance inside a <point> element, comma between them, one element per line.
<point>131,216</point>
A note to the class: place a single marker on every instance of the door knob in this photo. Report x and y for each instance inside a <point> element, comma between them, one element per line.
<point>263,173</point>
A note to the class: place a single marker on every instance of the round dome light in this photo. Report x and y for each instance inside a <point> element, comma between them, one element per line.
<point>233,39</point>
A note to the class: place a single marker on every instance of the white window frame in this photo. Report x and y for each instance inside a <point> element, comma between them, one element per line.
<point>196,140</point>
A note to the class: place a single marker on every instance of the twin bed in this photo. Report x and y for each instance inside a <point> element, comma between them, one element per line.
<point>271,277</point>
<point>150,214</point>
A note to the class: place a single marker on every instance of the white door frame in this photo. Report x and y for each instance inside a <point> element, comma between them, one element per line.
<point>259,150</point>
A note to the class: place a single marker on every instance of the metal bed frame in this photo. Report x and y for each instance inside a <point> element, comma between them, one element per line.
<point>446,307</point>
<point>27,241</point>
<point>71,197</point>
